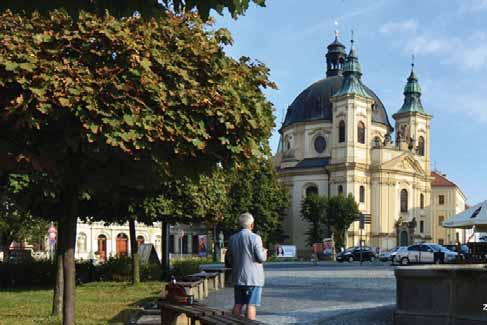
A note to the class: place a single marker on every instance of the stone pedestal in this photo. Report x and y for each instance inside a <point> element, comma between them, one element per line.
<point>441,294</point>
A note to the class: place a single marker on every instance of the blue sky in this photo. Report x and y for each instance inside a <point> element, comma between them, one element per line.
<point>448,38</point>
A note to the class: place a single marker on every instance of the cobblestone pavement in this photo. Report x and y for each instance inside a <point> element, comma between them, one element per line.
<point>327,293</point>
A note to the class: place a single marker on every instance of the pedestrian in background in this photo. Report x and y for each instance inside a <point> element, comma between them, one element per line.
<point>246,255</point>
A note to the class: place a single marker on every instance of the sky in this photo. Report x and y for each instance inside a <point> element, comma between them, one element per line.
<point>447,38</point>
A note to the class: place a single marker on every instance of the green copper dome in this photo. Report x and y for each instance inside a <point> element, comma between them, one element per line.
<point>412,95</point>
<point>352,73</point>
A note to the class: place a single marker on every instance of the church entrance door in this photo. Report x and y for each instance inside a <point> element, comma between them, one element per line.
<point>403,240</point>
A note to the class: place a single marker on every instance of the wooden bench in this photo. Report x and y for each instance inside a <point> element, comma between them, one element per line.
<point>210,279</point>
<point>222,271</point>
<point>197,314</point>
<point>225,319</point>
<point>194,287</point>
<point>179,314</point>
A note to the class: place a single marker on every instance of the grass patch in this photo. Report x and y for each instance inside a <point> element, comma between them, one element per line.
<point>96,303</point>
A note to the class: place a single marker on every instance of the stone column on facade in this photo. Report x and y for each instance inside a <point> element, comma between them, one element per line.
<point>190,243</point>
<point>176,243</point>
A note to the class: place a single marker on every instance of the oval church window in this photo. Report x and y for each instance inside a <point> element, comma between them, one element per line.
<point>320,144</point>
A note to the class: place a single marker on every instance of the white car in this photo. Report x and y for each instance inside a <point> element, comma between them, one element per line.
<point>424,253</point>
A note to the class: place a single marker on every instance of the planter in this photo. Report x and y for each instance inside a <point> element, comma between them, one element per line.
<point>441,295</point>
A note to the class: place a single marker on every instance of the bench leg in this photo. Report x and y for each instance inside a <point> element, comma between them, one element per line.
<point>172,318</point>
<point>205,287</point>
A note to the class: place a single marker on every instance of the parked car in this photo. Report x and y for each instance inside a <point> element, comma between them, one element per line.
<point>462,250</point>
<point>353,254</point>
<point>424,253</point>
<point>388,256</point>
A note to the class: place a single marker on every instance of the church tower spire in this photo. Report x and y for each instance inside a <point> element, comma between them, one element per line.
<point>352,73</point>
<point>413,123</point>
<point>335,58</point>
<point>412,94</point>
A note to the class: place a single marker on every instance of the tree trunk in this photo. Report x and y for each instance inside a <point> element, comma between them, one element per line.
<point>69,238</point>
<point>57,301</point>
<point>166,267</point>
<point>133,251</point>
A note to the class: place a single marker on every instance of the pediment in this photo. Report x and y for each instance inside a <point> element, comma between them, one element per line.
<point>404,163</point>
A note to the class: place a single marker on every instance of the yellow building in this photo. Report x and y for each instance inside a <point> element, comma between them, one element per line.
<point>336,138</point>
<point>447,201</point>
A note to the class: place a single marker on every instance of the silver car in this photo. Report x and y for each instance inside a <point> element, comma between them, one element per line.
<point>426,253</point>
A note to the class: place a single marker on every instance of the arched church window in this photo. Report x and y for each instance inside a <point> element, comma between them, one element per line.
<point>404,201</point>
<point>421,146</point>
<point>340,189</point>
<point>361,132</point>
<point>320,144</point>
<point>341,132</point>
<point>311,190</point>
<point>362,194</point>
<point>421,201</point>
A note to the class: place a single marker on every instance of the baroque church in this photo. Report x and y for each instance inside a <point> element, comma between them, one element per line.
<point>337,139</point>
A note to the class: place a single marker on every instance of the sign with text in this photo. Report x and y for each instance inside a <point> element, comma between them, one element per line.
<point>286,251</point>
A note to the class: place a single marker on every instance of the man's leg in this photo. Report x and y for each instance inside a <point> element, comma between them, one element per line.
<point>237,310</point>
<point>251,312</point>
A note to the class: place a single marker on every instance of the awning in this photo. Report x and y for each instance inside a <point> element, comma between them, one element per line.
<point>474,216</point>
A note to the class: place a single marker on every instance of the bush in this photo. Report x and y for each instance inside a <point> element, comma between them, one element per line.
<point>43,273</point>
<point>37,273</point>
<point>187,266</point>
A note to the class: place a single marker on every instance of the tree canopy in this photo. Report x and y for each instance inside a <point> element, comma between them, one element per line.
<point>256,189</point>
<point>126,8</point>
<point>101,104</point>
<point>314,211</point>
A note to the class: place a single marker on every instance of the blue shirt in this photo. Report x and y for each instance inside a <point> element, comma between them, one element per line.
<point>247,256</point>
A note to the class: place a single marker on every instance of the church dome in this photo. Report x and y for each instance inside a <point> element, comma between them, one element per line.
<point>313,103</point>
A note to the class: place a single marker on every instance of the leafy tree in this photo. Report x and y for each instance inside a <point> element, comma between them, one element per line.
<point>125,8</point>
<point>314,210</point>
<point>16,223</point>
<point>256,189</point>
<point>100,102</point>
<point>341,211</point>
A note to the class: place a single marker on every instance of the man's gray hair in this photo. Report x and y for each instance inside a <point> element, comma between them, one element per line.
<point>245,220</point>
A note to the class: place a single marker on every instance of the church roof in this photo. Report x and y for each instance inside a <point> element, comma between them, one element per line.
<point>311,163</point>
<point>441,180</point>
<point>313,103</point>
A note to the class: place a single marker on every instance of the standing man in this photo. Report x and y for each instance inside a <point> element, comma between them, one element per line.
<point>247,255</point>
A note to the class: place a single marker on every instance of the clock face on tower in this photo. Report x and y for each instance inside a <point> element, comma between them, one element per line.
<point>320,144</point>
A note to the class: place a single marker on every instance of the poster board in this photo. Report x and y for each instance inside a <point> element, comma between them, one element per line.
<point>285,251</point>
<point>202,245</point>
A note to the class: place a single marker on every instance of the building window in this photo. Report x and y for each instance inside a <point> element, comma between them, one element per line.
<point>361,133</point>
<point>421,201</point>
<point>362,194</point>
<point>341,132</point>
<point>340,189</point>
<point>441,199</point>
<point>81,243</point>
<point>320,144</point>
<point>140,240</point>
<point>440,220</point>
<point>441,241</point>
<point>421,146</point>
<point>311,190</point>
<point>404,201</point>
<point>421,226</point>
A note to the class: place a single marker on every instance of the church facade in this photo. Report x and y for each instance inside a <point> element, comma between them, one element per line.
<point>337,139</point>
